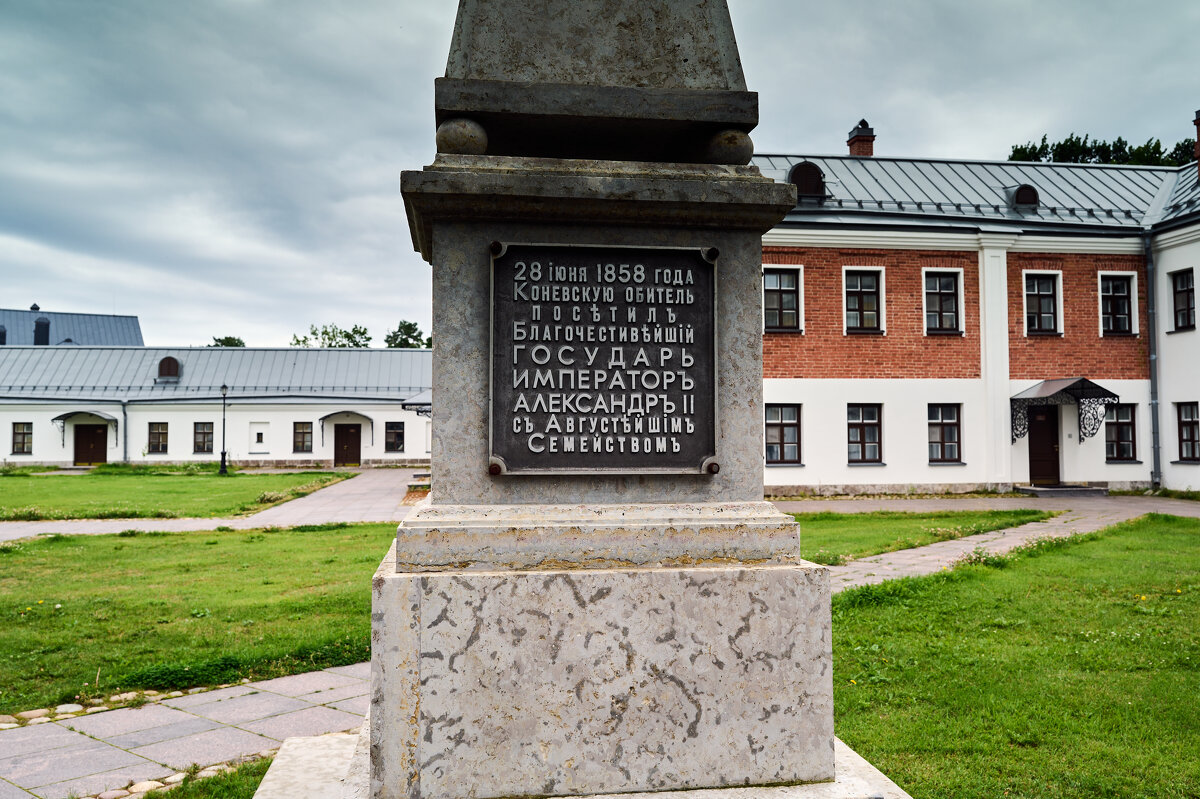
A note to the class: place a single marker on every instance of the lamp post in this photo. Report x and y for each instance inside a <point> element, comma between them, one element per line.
<point>224,391</point>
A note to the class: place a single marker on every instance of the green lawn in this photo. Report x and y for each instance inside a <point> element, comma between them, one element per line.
<point>834,538</point>
<point>129,494</point>
<point>1070,672</point>
<point>175,610</point>
<point>241,783</point>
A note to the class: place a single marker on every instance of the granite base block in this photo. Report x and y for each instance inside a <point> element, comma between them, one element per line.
<point>577,681</point>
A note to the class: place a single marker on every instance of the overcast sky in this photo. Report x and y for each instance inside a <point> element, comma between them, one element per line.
<point>231,167</point>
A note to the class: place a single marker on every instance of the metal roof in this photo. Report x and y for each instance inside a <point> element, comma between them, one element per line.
<point>919,191</point>
<point>72,328</point>
<point>131,373</point>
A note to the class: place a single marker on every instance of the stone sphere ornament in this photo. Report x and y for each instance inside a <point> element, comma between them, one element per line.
<point>461,137</point>
<point>729,147</point>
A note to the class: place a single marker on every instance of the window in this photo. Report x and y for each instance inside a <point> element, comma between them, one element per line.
<point>158,437</point>
<point>1189,431</point>
<point>202,437</point>
<point>1041,304</point>
<point>393,436</point>
<point>862,430</point>
<point>1183,287</point>
<point>941,302</point>
<point>22,438</point>
<point>781,299</point>
<point>1116,305</point>
<point>302,437</point>
<point>1119,440</point>
<point>783,434</point>
<point>168,367</point>
<point>863,307</point>
<point>944,434</point>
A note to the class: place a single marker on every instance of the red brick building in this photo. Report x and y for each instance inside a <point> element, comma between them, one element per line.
<point>951,325</point>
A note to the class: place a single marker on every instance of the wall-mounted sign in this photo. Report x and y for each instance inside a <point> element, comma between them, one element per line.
<point>603,359</point>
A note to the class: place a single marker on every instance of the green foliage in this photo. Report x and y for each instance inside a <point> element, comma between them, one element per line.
<point>332,336</point>
<point>1083,150</point>
<point>407,336</point>
<point>227,341</point>
<point>1067,668</point>
<point>127,492</point>
<point>835,538</point>
<point>178,610</point>
<point>241,783</point>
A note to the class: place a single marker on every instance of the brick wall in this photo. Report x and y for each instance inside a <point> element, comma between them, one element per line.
<point>1081,351</point>
<point>824,351</point>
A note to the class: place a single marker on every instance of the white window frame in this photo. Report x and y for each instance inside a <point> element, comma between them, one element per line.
<point>962,305</point>
<point>799,270</point>
<point>1133,301</point>
<point>882,298</point>
<point>1058,301</point>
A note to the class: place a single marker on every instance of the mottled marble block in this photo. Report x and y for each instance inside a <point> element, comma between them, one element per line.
<point>516,683</point>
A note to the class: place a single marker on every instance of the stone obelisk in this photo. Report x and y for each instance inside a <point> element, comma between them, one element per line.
<point>595,598</point>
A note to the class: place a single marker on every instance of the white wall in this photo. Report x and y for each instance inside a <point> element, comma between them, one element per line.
<point>1178,354</point>
<point>50,446</point>
<point>904,431</point>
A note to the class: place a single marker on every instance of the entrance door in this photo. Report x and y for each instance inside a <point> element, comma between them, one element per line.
<point>1043,445</point>
<point>91,444</point>
<point>347,444</point>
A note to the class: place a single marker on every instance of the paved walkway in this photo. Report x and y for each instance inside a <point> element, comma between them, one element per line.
<point>374,495</point>
<point>89,754</point>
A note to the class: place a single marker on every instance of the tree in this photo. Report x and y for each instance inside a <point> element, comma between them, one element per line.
<point>227,341</point>
<point>334,337</point>
<point>407,336</point>
<point>1076,150</point>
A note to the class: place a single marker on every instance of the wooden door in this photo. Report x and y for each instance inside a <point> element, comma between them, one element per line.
<point>1043,445</point>
<point>91,444</point>
<point>347,444</point>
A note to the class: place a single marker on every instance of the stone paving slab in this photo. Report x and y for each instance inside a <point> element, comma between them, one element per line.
<point>126,719</point>
<point>206,697</point>
<point>248,708</point>
<point>360,688</point>
<point>166,732</point>
<point>298,684</point>
<point>357,704</point>
<point>310,721</point>
<point>39,768</point>
<point>361,671</point>
<point>10,791</point>
<point>214,746</point>
<point>95,783</point>
<point>308,768</point>
<point>42,738</point>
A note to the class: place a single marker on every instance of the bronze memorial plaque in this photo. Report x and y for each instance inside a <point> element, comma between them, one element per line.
<point>603,359</point>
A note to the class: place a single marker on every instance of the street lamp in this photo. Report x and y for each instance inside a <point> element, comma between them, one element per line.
<point>224,391</point>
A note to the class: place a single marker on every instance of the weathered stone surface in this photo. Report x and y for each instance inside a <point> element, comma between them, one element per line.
<point>69,708</point>
<point>116,793</point>
<point>34,714</point>
<point>6,719</point>
<point>590,681</point>
<point>42,720</point>
<point>659,43</point>
<point>146,785</point>
<point>439,537</point>
<point>308,768</point>
<point>175,778</point>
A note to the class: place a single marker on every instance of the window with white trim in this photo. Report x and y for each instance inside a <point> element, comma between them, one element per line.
<point>1043,303</point>
<point>1118,303</point>
<point>864,433</point>
<point>783,299</point>
<point>782,433</point>
<point>863,300</point>
<point>943,301</point>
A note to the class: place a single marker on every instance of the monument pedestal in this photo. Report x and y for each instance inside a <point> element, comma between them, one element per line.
<point>575,657</point>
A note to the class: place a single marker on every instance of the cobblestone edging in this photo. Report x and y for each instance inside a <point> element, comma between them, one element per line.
<point>65,712</point>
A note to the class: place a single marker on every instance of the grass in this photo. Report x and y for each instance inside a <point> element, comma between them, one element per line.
<point>120,491</point>
<point>834,538</point>
<point>90,616</point>
<point>1068,671</point>
<point>241,783</point>
<point>1171,493</point>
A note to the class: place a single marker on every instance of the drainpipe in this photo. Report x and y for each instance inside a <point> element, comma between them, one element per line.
<point>124,431</point>
<point>1152,327</point>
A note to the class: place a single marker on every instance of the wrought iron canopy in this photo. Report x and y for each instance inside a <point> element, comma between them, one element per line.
<point>421,403</point>
<point>1090,397</point>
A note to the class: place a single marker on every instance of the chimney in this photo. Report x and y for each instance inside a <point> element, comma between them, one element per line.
<point>862,140</point>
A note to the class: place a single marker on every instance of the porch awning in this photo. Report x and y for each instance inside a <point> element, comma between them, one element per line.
<point>421,403</point>
<point>61,421</point>
<point>327,416</point>
<point>1090,397</point>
